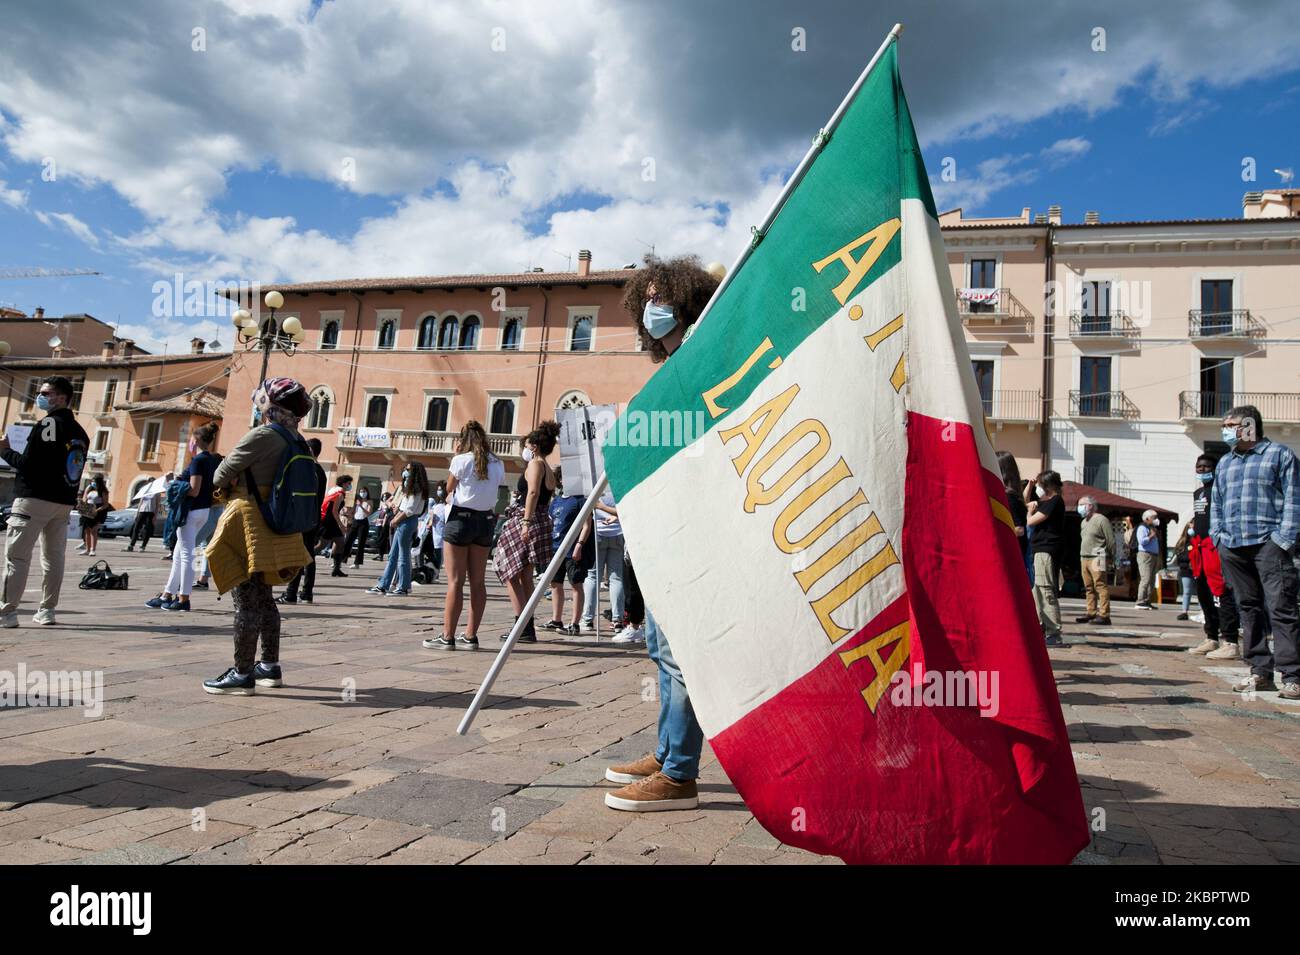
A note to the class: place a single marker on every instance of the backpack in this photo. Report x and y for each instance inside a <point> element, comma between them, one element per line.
<point>101,577</point>
<point>292,508</point>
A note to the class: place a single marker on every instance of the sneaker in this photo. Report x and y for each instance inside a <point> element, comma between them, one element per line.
<point>588,626</point>
<point>157,602</point>
<point>44,618</point>
<point>1226,651</point>
<point>128,548</point>
<point>305,598</point>
<point>656,793</point>
<point>9,621</point>
<point>286,599</point>
<point>1204,647</point>
<point>81,548</point>
<point>1054,640</point>
<point>1289,690</point>
<point>630,634</point>
<point>608,615</point>
<point>177,605</point>
<point>1101,621</point>
<point>399,593</point>
<point>439,643</point>
<point>377,590</point>
<point>1087,618</point>
<point>268,674</point>
<point>464,642</point>
<point>569,630</point>
<point>530,635</point>
<point>635,771</point>
<point>200,585</point>
<point>1254,683</point>
<point>1181,616</point>
<point>553,625</point>
<point>232,683</point>
<point>1143,607</point>
<point>337,573</point>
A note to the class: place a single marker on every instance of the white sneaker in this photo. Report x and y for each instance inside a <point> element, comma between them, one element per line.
<point>1226,651</point>
<point>630,634</point>
<point>44,618</point>
<point>1205,646</point>
<point>9,620</point>
<point>81,548</point>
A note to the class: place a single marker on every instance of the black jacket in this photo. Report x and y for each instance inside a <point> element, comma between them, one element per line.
<point>50,468</point>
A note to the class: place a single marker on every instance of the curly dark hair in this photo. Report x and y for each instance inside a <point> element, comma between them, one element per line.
<point>680,282</point>
<point>543,437</point>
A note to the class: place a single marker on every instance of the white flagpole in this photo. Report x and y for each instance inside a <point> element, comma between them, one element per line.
<point>565,547</point>
<point>800,170</point>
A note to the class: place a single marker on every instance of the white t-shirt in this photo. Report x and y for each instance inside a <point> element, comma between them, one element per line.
<point>470,491</point>
<point>412,505</point>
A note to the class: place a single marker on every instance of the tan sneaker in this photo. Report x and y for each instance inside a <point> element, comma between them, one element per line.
<point>1226,651</point>
<point>655,793</point>
<point>647,765</point>
<point>1205,646</point>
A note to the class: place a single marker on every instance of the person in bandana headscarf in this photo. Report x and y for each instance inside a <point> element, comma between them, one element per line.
<point>245,556</point>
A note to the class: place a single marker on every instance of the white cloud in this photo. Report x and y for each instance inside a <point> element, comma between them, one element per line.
<point>15,198</point>
<point>72,224</point>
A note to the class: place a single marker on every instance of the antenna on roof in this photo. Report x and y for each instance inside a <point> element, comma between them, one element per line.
<point>568,260</point>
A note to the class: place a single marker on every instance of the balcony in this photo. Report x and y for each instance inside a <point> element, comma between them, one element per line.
<point>99,459</point>
<point>1116,326</point>
<point>996,305</point>
<point>1279,406</point>
<point>1016,406</point>
<point>1102,404</point>
<point>1105,479</point>
<point>1238,323</point>
<point>398,440</point>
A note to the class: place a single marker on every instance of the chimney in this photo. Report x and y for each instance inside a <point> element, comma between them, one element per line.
<point>125,346</point>
<point>1040,219</point>
<point>39,313</point>
<point>584,261</point>
<point>1054,215</point>
<point>109,347</point>
<point>1024,214</point>
<point>196,346</point>
<point>1091,217</point>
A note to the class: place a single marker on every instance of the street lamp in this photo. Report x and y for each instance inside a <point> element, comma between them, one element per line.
<point>273,334</point>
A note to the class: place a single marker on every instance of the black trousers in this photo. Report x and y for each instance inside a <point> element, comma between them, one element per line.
<point>633,602</point>
<point>1220,619</point>
<point>306,578</point>
<point>1266,584</point>
<point>142,528</point>
<point>356,536</point>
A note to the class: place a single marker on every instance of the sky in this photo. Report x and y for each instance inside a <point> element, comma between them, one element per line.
<point>287,140</point>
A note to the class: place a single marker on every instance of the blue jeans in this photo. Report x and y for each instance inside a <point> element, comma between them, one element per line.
<point>1188,586</point>
<point>398,567</point>
<point>680,738</point>
<point>609,556</point>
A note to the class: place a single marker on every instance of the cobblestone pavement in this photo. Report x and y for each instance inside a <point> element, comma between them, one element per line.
<point>1175,767</point>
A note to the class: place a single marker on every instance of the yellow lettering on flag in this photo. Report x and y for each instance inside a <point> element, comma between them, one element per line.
<point>722,387</point>
<point>764,418</point>
<point>858,268</point>
<point>756,494</point>
<point>884,669</point>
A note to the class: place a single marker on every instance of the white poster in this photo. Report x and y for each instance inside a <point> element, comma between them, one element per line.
<point>372,437</point>
<point>18,435</point>
<point>582,430</point>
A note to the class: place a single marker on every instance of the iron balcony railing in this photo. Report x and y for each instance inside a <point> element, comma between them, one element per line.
<point>1101,404</point>
<point>1104,479</point>
<point>1024,404</point>
<point>1213,405</point>
<point>425,442</point>
<point>997,304</point>
<point>1237,323</point>
<point>1115,325</point>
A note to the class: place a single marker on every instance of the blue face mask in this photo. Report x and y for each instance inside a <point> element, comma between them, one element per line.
<point>1205,477</point>
<point>257,417</point>
<point>43,402</point>
<point>658,320</point>
<point>1230,437</point>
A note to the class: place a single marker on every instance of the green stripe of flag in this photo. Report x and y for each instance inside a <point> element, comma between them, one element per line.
<point>856,183</point>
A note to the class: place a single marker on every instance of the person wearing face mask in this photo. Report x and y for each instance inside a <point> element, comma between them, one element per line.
<point>1096,541</point>
<point>408,507</point>
<point>358,531</point>
<point>47,476</point>
<point>1148,555</point>
<point>525,542</point>
<point>1255,522</point>
<point>1047,518</point>
<point>667,298</point>
<point>1218,605</point>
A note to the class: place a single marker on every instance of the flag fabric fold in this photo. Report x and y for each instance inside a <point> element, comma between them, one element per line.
<point>831,554</point>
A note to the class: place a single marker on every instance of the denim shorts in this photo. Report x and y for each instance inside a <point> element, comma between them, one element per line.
<point>465,527</point>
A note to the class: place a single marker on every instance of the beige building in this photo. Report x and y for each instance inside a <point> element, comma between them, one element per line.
<point>1139,334</point>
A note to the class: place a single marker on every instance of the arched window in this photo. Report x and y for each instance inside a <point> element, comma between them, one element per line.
<point>387,333</point>
<point>469,333</point>
<point>581,340</point>
<point>510,335</point>
<point>573,399</point>
<point>428,332</point>
<point>321,402</point>
<point>503,416</point>
<point>435,415</point>
<point>329,337</point>
<point>377,412</point>
<point>447,333</point>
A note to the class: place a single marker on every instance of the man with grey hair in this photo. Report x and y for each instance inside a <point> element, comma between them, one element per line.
<point>1254,522</point>
<point>1148,552</point>
<point>1096,541</point>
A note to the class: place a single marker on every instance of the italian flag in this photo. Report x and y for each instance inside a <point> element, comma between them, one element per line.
<point>830,553</point>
